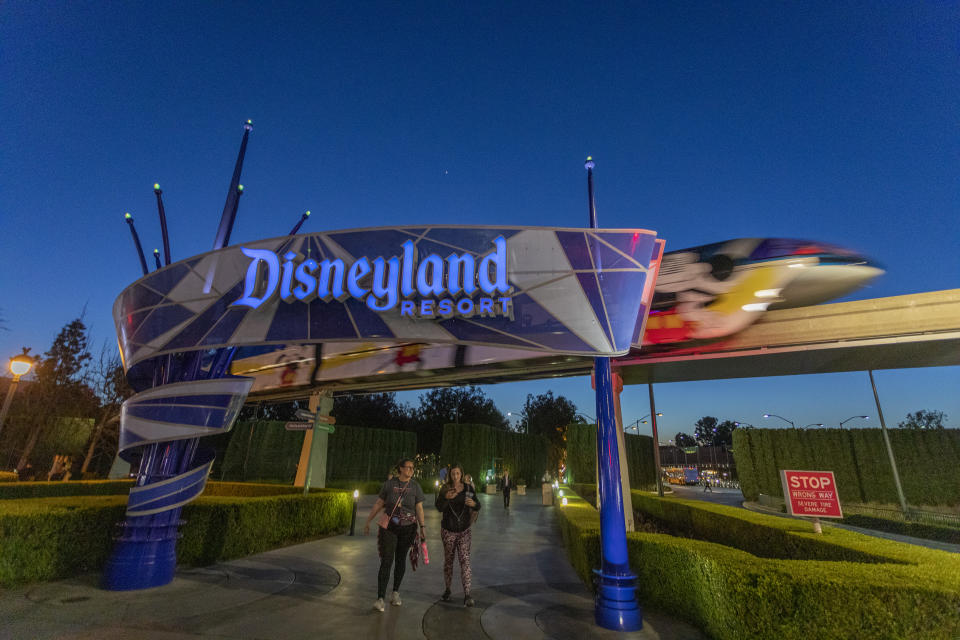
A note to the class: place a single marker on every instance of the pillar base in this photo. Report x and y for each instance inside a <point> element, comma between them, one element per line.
<point>145,555</point>
<point>616,605</point>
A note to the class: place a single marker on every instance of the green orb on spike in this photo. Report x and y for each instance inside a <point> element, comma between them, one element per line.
<point>239,187</point>
<point>156,251</point>
<point>156,186</point>
<point>589,158</point>
<point>127,216</point>
<point>249,121</point>
<point>307,214</point>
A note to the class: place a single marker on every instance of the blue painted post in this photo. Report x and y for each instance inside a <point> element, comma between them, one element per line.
<point>616,603</point>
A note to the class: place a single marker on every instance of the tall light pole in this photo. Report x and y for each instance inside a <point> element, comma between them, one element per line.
<point>843,422</point>
<point>773,415</point>
<point>19,366</point>
<point>590,418</point>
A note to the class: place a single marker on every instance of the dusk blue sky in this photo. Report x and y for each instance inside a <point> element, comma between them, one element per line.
<point>709,121</point>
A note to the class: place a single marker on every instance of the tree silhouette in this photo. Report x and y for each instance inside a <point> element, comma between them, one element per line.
<point>924,419</point>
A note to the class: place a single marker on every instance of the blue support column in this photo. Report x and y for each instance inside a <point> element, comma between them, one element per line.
<point>616,602</point>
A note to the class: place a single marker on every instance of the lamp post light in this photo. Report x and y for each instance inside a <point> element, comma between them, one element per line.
<point>843,422</point>
<point>813,424</point>
<point>590,418</point>
<point>773,415</point>
<point>19,366</point>
<point>635,425</point>
<point>745,425</point>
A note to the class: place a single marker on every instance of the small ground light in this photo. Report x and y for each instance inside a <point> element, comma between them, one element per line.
<point>436,483</point>
<point>560,493</point>
<point>353,514</point>
<point>564,502</point>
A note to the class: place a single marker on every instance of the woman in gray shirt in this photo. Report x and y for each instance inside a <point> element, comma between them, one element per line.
<point>401,499</point>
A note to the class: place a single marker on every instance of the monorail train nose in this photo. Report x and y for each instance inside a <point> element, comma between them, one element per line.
<point>823,273</point>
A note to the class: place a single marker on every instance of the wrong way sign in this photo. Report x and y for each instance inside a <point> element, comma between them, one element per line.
<point>811,493</point>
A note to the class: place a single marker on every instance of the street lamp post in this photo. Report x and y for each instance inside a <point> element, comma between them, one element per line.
<point>843,422</point>
<point>746,425</point>
<point>773,415</point>
<point>590,418</point>
<point>813,424</point>
<point>19,366</point>
<point>635,425</point>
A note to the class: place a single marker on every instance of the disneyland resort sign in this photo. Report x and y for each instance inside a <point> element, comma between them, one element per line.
<point>442,286</point>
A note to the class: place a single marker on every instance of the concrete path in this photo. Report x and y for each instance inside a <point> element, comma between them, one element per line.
<point>523,585</point>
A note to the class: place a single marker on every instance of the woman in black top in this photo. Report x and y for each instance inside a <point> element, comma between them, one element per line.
<point>457,501</point>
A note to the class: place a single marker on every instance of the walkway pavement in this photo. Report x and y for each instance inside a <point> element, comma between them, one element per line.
<point>523,585</point>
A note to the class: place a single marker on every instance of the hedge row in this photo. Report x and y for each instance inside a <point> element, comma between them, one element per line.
<point>8,476</point>
<point>372,487</point>
<point>51,538</point>
<point>731,593</point>
<point>266,451</point>
<point>926,461</point>
<point>27,490</point>
<point>581,458</point>
<point>899,527</point>
<point>360,453</point>
<point>476,445</point>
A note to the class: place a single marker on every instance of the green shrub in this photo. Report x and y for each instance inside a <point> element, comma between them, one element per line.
<point>27,490</point>
<point>8,476</point>
<point>372,487</point>
<point>899,527</point>
<point>904,592</point>
<point>49,538</point>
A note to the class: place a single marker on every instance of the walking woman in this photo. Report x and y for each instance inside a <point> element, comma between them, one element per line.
<point>457,501</point>
<point>401,500</point>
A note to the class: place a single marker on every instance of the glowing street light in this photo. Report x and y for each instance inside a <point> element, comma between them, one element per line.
<point>773,415</point>
<point>843,422</point>
<point>813,424</point>
<point>19,366</point>
<point>635,425</point>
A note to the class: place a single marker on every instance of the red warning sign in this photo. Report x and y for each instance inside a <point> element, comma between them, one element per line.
<point>811,494</point>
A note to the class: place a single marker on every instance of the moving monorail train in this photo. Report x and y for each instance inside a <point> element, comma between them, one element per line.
<point>703,293</point>
<point>716,290</point>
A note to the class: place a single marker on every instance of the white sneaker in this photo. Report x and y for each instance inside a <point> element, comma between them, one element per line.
<point>378,605</point>
<point>395,599</point>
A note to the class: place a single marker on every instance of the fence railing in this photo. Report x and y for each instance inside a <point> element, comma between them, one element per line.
<point>922,516</point>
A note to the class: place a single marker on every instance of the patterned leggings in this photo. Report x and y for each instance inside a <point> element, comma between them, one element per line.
<point>457,543</point>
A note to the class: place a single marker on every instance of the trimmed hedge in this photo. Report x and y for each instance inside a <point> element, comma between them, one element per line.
<point>582,457</point>
<point>28,490</point>
<point>729,593</point>
<point>49,538</point>
<point>265,450</point>
<point>9,476</point>
<point>926,461</point>
<point>915,529</point>
<point>476,445</point>
<point>371,487</point>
